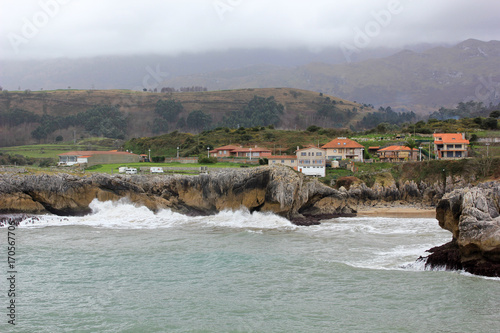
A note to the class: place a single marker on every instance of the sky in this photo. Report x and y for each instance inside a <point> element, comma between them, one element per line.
<point>40,29</point>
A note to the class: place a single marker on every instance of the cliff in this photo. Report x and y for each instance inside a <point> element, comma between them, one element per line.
<point>472,215</point>
<point>275,189</point>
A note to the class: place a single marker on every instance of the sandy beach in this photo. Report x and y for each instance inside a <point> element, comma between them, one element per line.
<point>397,211</point>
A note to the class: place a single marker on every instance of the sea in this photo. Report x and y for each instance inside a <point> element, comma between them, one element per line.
<point>124,268</point>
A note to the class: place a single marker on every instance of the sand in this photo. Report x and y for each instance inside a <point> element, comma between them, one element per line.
<point>397,211</point>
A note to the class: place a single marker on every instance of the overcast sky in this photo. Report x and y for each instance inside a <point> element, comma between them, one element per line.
<point>82,28</point>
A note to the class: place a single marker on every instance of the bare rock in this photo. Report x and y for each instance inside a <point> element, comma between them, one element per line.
<point>276,189</point>
<point>473,217</point>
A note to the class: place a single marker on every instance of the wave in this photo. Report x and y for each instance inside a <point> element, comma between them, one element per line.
<point>122,214</point>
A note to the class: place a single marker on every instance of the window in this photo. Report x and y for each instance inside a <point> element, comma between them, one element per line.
<point>319,154</point>
<point>458,146</point>
<point>282,161</point>
<point>303,154</point>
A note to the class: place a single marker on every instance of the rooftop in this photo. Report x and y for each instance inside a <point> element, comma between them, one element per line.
<point>440,138</point>
<point>342,143</point>
<point>398,148</point>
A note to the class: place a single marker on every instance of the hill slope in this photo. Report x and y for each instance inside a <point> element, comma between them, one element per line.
<point>418,81</point>
<point>300,109</point>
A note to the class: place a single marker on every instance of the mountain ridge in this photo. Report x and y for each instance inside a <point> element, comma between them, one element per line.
<point>407,80</point>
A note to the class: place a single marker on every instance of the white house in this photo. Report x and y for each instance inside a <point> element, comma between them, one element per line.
<point>312,161</point>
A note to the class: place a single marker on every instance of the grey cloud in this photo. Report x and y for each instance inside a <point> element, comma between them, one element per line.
<point>76,28</point>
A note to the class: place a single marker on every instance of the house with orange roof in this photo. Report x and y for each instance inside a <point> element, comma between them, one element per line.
<point>238,151</point>
<point>224,151</point>
<point>397,154</point>
<point>97,157</point>
<point>450,145</point>
<point>343,148</point>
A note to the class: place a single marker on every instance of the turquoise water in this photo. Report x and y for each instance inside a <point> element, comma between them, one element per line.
<point>125,269</point>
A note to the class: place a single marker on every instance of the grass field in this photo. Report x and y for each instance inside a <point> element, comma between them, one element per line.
<point>113,168</point>
<point>53,149</point>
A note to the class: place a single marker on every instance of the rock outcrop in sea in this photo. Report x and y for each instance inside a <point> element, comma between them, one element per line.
<point>280,190</point>
<point>472,215</point>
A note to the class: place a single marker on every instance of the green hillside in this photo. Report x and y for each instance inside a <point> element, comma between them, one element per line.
<point>66,114</point>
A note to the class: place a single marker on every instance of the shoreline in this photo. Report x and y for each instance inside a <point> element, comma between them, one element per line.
<point>391,211</point>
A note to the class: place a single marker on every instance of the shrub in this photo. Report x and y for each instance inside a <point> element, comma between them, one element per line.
<point>207,160</point>
<point>158,159</point>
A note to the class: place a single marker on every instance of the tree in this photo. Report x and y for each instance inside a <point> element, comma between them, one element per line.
<point>260,111</point>
<point>490,123</point>
<point>103,120</point>
<point>169,109</point>
<point>198,120</point>
<point>410,143</point>
<point>495,114</point>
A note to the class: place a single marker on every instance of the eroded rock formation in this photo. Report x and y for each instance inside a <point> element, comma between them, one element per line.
<point>472,215</point>
<point>276,189</point>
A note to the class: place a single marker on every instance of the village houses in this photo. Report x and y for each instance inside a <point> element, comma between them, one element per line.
<point>343,148</point>
<point>450,145</point>
<point>397,154</point>
<point>311,161</point>
<point>238,151</point>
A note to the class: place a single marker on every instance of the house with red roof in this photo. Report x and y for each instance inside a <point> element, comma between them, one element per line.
<point>343,148</point>
<point>238,151</point>
<point>97,157</point>
<point>224,151</point>
<point>397,154</point>
<point>450,145</point>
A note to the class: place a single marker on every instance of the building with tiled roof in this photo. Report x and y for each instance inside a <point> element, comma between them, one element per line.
<point>90,157</point>
<point>450,145</point>
<point>397,154</point>
<point>238,151</point>
<point>288,160</point>
<point>343,148</point>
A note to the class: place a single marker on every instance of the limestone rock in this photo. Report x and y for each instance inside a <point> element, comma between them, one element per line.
<point>473,217</point>
<point>277,189</point>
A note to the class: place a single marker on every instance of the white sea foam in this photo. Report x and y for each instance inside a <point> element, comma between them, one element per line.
<point>122,214</point>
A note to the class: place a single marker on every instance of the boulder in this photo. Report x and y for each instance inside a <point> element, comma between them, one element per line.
<point>472,215</point>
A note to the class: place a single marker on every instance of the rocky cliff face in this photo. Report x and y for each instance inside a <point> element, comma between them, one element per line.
<point>388,191</point>
<point>407,192</point>
<point>472,215</point>
<point>276,189</point>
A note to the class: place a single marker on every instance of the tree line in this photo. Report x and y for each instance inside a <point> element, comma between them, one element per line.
<point>259,111</point>
<point>386,116</point>
<point>100,120</point>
